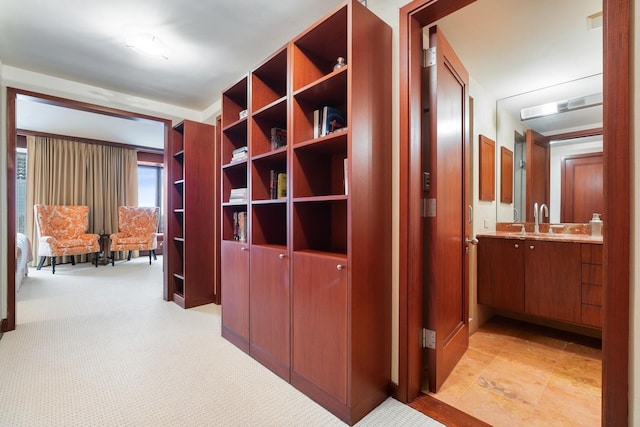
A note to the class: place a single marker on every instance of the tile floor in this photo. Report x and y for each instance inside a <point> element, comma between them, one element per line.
<point>517,374</point>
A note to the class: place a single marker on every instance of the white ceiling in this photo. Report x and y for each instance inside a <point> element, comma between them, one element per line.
<point>211,42</point>
<point>509,46</point>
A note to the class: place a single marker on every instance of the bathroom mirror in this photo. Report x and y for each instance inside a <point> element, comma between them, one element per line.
<point>547,129</point>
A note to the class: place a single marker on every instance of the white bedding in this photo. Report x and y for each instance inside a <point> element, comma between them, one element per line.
<point>23,257</point>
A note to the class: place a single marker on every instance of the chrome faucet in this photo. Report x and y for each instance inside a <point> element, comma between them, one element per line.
<point>538,215</point>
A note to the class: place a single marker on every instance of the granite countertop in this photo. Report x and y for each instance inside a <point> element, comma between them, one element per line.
<point>555,237</point>
<point>577,233</point>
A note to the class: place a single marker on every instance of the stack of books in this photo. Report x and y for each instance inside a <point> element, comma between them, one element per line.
<point>278,138</point>
<point>240,226</point>
<point>238,195</point>
<point>239,154</point>
<point>328,120</point>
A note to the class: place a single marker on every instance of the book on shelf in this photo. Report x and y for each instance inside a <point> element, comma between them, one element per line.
<point>281,191</point>
<point>278,138</point>
<point>328,120</point>
<point>238,195</point>
<point>240,226</point>
<point>277,184</point>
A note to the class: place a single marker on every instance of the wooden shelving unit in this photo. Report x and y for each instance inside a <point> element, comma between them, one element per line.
<point>308,294</point>
<point>191,220</point>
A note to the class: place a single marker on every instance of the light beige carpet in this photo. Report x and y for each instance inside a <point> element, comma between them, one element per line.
<point>99,347</point>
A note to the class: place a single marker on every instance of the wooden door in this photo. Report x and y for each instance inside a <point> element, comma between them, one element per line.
<point>269,308</point>
<point>537,166</point>
<point>445,226</point>
<point>235,296</point>
<point>581,187</point>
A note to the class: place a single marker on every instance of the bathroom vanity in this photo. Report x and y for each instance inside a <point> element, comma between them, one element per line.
<point>551,275</point>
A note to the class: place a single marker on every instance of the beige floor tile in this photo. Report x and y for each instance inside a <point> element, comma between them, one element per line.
<point>516,374</point>
<point>493,407</point>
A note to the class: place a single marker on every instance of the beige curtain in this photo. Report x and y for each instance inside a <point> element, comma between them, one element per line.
<point>61,172</point>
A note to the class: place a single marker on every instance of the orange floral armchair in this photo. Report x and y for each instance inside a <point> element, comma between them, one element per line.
<point>138,231</point>
<point>62,230</point>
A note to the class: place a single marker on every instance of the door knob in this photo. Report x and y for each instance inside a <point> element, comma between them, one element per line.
<point>340,266</point>
<point>473,241</point>
<point>281,256</point>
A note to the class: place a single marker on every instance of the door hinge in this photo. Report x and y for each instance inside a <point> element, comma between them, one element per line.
<point>428,208</point>
<point>428,57</point>
<point>428,338</point>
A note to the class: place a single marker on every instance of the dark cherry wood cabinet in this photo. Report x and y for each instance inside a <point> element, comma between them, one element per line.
<point>501,274</point>
<point>268,302</point>
<point>320,321</point>
<point>551,279</point>
<point>592,285</point>
<point>234,270</point>
<point>311,297</point>
<point>191,230</point>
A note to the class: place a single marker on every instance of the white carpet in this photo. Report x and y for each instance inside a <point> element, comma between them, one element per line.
<point>99,347</point>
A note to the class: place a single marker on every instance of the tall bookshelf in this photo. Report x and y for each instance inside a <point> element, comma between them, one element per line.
<point>190,237</point>
<point>308,294</point>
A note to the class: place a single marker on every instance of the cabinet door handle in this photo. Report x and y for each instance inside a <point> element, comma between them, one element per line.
<point>340,266</point>
<point>532,247</point>
<point>244,248</point>
<point>516,245</point>
<point>281,256</point>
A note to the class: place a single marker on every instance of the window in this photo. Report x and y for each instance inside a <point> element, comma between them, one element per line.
<point>150,189</point>
<point>21,190</point>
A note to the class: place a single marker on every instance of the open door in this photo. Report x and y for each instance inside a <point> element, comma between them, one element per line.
<point>537,166</point>
<point>447,196</point>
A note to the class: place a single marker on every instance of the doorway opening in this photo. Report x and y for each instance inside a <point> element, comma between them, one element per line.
<point>13,94</point>
<point>413,18</point>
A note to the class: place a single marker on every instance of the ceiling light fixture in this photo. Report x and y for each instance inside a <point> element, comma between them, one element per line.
<point>147,44</point>
<point>561,106</point>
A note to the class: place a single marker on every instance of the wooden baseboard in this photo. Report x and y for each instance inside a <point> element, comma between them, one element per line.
<point>3,326</point>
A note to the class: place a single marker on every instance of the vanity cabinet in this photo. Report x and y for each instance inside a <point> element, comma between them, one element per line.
<point>552,280</point>
<point>557,280</point>
<point>501,274</point>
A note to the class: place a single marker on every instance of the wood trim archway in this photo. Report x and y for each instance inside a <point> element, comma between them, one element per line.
<point>9,323</point>
<point>617,164</point>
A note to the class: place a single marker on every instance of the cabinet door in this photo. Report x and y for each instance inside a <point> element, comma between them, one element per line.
<point>235,293</point>
<point>552,280</point>
<point>269,308</point>
<point>501,274</point>
<point>320,322</point>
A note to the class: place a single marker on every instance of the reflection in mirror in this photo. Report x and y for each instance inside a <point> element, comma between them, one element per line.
<point>546,129</point>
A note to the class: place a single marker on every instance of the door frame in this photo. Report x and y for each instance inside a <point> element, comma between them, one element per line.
<point>617,173</point>
<point>9,323</point>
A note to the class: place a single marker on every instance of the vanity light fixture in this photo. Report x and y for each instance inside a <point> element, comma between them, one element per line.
<point>148,44</point>
<point>561,106</point>
<point>594,21</point>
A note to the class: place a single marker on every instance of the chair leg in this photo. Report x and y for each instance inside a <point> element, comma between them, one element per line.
<point>96,258</point>
<point>41,262</point>
<point>53,265</point>
<point>153,251</point>
<point>150,257</point>
<point>129,256</point>
<point>113,258</point>
<point>73,260</point>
